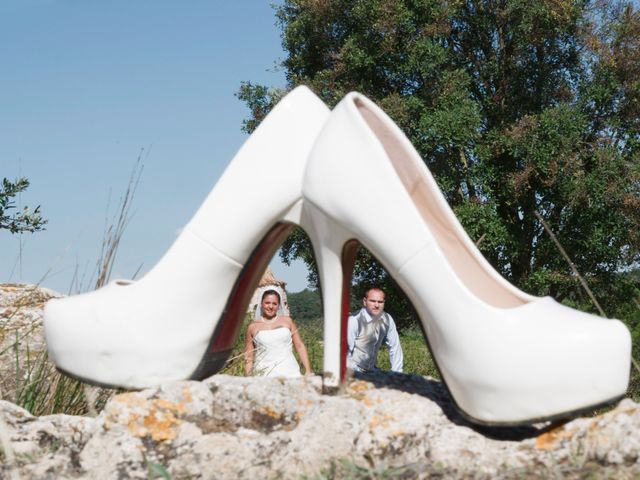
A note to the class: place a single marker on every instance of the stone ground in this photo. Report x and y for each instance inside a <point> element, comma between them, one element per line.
<point>235,427</point>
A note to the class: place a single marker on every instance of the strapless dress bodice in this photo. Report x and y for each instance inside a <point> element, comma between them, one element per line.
<point>274,354</point>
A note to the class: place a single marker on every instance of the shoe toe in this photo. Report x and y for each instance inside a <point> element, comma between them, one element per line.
<point>543,360</point>
<point>65,331</point>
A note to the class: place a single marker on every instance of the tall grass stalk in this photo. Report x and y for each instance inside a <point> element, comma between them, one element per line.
<point>37,386</point>
<point>564,254</point>
<point>115,229</point>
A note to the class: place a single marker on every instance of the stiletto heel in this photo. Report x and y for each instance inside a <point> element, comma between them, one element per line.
<point>180,320</point>
<point>349,252</point>
<point>329,241</point>
<point>506,357</point>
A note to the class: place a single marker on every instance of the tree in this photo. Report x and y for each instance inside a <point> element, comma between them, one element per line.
<point>305,305</point>
<point>516,107</point>
<point>24,221</point>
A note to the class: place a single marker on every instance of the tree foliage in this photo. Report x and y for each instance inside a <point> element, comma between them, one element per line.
<point>22,221</point>
<point>305,305</point>
<point>517,107</point>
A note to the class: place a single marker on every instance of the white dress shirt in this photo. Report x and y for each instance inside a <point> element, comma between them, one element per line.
<point>392,340</point>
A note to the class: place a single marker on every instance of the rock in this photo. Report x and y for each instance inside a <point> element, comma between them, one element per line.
<point>235,427</point>
<point>44,447</point>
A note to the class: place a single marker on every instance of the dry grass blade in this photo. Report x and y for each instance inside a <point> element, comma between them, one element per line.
<point>571,264</point>
<point>113,233</point>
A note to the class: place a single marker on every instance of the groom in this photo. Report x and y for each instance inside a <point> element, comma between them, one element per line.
<point>367,330</point>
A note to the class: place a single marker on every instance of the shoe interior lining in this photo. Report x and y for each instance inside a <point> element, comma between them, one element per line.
<point>463,261</point>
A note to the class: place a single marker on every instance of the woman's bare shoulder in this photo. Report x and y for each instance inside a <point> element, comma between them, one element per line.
<point>288,322</point>
<point>252,328</point>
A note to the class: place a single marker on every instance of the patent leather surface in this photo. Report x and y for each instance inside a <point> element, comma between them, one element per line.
<point>505,356</point>
<point>139,334</point>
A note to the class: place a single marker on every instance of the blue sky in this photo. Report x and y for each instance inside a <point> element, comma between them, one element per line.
<point>87,85</point>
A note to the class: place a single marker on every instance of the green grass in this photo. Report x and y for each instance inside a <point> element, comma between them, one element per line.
<point>417,358</point>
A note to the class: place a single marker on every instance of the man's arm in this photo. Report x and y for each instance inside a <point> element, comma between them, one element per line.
<point>395,349</point>
<point>352,331</point>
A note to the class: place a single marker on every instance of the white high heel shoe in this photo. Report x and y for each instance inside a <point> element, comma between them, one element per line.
<point>181,319</point>
<point>506,357</point>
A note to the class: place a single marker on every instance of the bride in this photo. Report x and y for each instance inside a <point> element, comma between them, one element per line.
<point>268,346</point>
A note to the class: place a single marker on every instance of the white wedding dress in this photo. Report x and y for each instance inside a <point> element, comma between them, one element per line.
<point>274,354</point>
